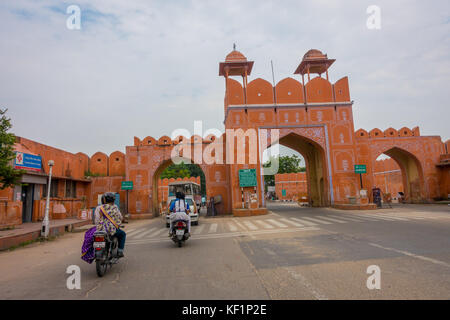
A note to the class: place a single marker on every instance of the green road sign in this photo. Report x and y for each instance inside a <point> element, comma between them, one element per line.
<point>247,178</point>
<point>127,185</point>
<point>283,192</point>
<point>360,168</point>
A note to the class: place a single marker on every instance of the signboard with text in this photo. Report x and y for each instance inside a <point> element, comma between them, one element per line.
<point>247,178</point>
<point>127,185</point>
<point>27,161</point>
<point>360,168</point>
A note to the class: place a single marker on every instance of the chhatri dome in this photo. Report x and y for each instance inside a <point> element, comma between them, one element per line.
<point>235,56</point>
<point>314,54</point>
<point>235,64</point>
<point>314,61</point>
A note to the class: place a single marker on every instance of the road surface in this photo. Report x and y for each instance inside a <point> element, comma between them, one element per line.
<point>291,253</point>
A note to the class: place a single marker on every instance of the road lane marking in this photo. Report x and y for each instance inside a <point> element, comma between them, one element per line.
<point>308,223</point>
<point>275,222</point>
<point>250,225</point>
<point>227,235</point>
<point>232,227</point>
<point>317,220</point>
<point>240,226</point>
<point>392,216</point>
<point>375,217</point>
<point>213,228</point>
<point>288,221</point>
<point>364,216</point>
<point>157,232</point>
<point>265,225</point>
<point>141,235</point>
<point>136,231</point>
<point>406,253</point>
<point>332,219</point>
<point>349,219</point>
<point>199,229</point>
<point>275,214</point>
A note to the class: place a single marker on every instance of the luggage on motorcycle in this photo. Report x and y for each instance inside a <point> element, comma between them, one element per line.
<point>87,249</point>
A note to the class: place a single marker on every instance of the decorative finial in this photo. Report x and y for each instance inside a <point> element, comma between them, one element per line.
<point>234,46</point>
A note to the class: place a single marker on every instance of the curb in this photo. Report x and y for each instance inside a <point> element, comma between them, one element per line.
<point>8,242</point>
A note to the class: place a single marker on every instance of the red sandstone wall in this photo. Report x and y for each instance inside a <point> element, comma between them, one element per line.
<point>116,164</point>
<point>424,151</point>
<point>388,177</point>
<point>339,121</point>
<point>10,213</point>
<point>295,184</point>
<point>100,185</point>
<point>145,162</point>
<point>66,164</point>
<point>98,164</point>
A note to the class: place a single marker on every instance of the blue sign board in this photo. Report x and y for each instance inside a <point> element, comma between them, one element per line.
<point>27,161</point>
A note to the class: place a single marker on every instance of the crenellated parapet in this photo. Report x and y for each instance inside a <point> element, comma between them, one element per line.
<point>310,91</point>
<point>288,91</point>
<point>388,133</point>
<point>165,141</point>
<point>103,165</point>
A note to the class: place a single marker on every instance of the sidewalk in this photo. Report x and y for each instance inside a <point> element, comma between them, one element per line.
<point>32,231</point>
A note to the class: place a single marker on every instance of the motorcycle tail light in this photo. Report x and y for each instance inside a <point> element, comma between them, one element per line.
<point>99,239</point>
<point>181,224</point>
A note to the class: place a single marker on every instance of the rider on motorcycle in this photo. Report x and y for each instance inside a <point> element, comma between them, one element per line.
<point>180,211</point>
<point>108,218</point>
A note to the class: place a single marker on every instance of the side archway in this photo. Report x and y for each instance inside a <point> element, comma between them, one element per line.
<point>412,174</point>
<point>156,176</point>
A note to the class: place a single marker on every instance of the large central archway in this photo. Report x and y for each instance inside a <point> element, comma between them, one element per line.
<point>316,168</point>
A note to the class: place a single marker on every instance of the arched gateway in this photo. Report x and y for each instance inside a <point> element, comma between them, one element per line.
<point>312,116</point>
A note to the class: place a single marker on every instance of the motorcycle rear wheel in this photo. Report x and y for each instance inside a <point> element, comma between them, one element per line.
<point>180,243</point>
<point>101,268</point>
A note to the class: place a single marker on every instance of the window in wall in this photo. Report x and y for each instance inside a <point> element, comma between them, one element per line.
<point>53,189</point>
<point>71,191</point>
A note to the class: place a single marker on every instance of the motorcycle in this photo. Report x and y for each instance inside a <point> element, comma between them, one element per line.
<point>179,231</point>
<point>106,249</point>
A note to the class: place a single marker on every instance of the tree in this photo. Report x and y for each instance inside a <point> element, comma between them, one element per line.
<point>176,171</point>
<point>8,175</point>
<point>286,164</point>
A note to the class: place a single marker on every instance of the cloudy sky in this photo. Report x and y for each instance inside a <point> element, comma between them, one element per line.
<point>139,68</point>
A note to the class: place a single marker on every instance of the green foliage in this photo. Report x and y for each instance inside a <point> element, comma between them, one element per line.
<point>286,164</point>
<point>183,170</point>
<point>176,171</point>
<point>91,174</point>
<point>8,175</point>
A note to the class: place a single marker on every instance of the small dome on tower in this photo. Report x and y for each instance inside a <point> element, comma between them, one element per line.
<point>235,56</point>
<point>314,53</point>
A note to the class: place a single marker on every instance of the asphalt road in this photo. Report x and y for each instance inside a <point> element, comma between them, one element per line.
<point>292,253</point>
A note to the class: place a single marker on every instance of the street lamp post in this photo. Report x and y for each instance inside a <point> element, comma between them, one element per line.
<point>46,222</point>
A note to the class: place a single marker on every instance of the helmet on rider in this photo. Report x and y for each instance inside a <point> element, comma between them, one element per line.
<point>108,197</point>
